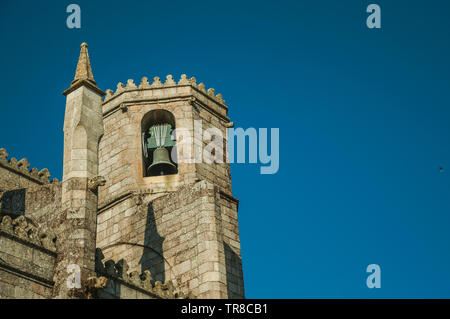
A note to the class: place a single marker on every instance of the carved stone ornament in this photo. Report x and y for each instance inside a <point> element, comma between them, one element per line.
<point>95,182</point>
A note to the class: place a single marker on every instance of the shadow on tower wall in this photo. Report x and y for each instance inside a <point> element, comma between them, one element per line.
<point>152,257</point>
<point>12,203</point>
<point>113,289</point>
<point>235,279</point>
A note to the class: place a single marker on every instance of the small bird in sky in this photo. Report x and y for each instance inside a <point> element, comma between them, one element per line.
<point>441,169</point>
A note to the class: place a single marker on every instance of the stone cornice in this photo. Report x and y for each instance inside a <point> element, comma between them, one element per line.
<point>79,83</point>
<point>157,100</point>
<point>26,275</point>
<point>128,194</point>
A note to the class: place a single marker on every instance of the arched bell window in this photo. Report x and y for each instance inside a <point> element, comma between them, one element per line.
<point>157,144</point>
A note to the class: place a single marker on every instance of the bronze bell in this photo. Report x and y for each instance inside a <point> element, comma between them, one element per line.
<point>161,164</point>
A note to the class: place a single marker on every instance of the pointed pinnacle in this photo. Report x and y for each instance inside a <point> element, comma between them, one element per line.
<point>84,70</point>
<point>83,74</point>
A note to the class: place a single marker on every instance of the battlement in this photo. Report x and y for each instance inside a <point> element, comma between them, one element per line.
<point>19,228</point>
<point>114,281</point>
<point>22,168</point>
<point>184,81</point>
<point>169,91</point>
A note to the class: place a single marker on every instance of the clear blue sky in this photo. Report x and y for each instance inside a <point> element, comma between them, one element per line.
<point>363,117</point>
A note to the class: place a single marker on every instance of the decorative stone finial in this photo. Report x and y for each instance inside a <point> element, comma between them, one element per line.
<point>34,172</point>
<point>144,83</point>
<point>130,84</point>
<point>135,279</point>
<point>83,73</point>
<point>3,154</point>
<point>43,175</point>
<point>23,164</point>
<point>156,82</point>
<point>183,80</point>
<point>169,81</point>
<point>84,70</point>
<point>6,225</point>
<point>201,87</point>
<point>220,98</point>
<point>147,280</point>
<point>109,94</point>
<point>120,88</point>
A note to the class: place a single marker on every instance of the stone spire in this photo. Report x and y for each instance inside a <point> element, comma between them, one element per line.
<point>84,70</point>
<point>83,73</point>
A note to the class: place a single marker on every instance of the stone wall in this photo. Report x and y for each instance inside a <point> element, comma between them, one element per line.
<point>189,237</point>
<point>232,246</point>
<point>26,192</point>
<point>189,221</point>
<point>15,180</point>
<point>38,203</point>
<point>27,258</point>
<point>27,253</point>
<point>43,203</point>
<point>217,173</point>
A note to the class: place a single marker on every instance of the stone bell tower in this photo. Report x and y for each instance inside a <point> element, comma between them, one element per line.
<point>175,219</point>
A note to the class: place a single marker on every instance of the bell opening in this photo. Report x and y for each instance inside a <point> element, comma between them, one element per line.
<point>158,143</point>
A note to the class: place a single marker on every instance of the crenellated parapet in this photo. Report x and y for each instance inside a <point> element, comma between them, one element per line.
<point>110,274</point>
<point>174,88</point>
<point>20,228</point>
<point>21,167</point>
